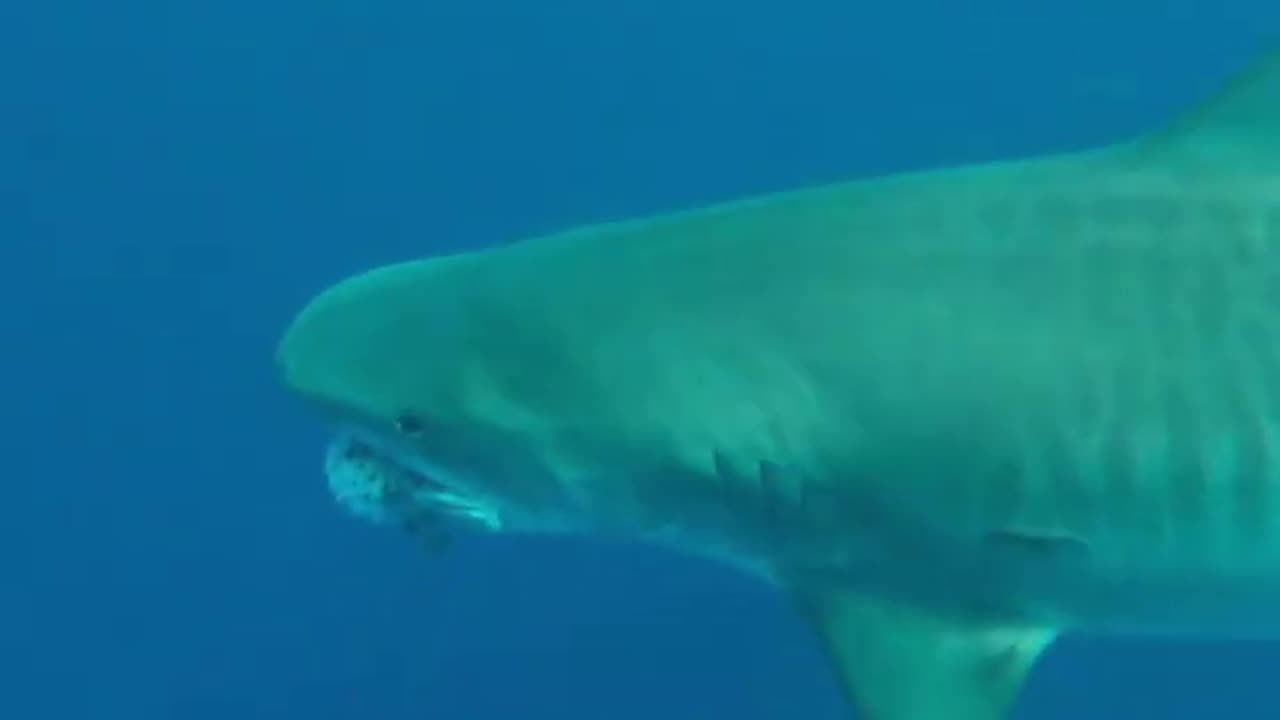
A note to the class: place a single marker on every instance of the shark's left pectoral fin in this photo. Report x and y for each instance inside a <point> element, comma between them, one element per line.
<point>899,662</point>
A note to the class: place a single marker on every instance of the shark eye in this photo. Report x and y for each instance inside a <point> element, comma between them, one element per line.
<point>408,424</point>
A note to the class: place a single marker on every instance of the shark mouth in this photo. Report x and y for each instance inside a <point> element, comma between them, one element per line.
<point>378,486</point>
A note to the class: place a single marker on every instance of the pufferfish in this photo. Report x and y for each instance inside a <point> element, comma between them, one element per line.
<point>370,484</point>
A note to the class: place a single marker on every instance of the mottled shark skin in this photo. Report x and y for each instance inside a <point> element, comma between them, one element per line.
<point>953,413</point>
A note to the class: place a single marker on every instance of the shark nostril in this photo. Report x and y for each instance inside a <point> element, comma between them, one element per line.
<point>408,424</point>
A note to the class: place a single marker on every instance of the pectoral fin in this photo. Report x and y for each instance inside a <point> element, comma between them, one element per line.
<point>897,662</point>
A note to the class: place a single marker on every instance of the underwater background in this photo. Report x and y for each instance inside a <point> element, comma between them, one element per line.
<point>176,179</point>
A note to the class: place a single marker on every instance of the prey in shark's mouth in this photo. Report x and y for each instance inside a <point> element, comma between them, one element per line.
<point>382,487</point>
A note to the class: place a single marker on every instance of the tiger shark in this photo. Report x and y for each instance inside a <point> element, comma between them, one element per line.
<point>953,413</point>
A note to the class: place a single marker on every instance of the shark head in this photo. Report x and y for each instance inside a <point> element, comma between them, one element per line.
<point>419,442</point>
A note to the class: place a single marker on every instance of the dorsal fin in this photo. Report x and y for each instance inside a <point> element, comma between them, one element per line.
<point>1238,124</point>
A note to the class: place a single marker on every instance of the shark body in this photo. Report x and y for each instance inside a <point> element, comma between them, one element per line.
<point>953,413</point>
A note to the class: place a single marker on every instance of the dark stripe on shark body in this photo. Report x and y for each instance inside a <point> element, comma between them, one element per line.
<point>1069,481</point>
<point>1252,480</point>
<point>1187,472</point>
<point>1236,430</point>
<point>1128,507</point>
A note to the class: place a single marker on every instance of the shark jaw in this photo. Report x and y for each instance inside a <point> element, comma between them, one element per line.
<point>378,484</point>
<point>377,479</point>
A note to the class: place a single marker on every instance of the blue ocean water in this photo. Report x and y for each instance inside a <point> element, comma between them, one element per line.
<point>176,178</point>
